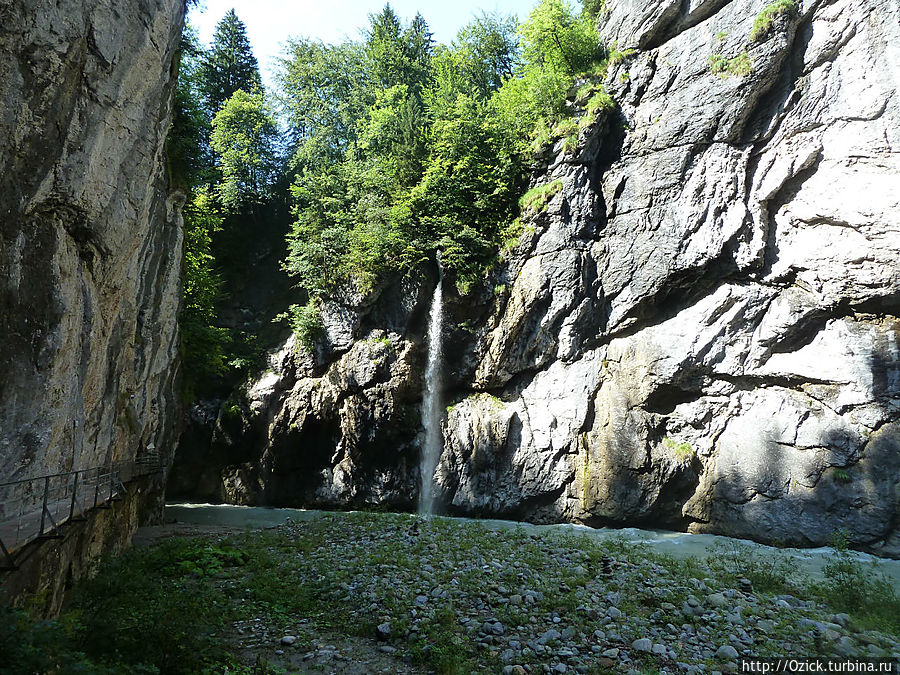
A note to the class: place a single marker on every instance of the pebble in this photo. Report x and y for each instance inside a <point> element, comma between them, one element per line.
<point>549,636</point>
<point>288,640</point>
<point>726,652</point>
<point>642,645</point>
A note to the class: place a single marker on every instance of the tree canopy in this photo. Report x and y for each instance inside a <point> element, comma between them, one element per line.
<point>399,146</point>
<point>229,64</point>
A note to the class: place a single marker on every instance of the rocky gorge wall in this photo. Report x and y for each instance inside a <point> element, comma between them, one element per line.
<point>90,241</point>
<point>700,330</point>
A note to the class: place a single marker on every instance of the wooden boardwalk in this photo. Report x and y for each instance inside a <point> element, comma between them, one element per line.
<point>35,508</point>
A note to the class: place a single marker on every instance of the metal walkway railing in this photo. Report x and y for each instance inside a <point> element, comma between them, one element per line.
<point>35,508</point>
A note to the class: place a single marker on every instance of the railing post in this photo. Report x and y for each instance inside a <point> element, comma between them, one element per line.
<point>10,563</point>
<point>44,507</point>
<point>74,496</point>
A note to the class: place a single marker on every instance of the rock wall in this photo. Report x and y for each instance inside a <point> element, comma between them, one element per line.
<point>90,243</point>
<point>701,330</point>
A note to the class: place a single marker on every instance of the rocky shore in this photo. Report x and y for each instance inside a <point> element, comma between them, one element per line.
<point>361,593</point>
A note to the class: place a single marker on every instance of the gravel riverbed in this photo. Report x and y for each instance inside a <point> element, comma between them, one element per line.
<point>356,593</point>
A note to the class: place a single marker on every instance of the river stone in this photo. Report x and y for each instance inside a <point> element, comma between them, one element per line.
<point>642,645</point>
<point>726,652</point>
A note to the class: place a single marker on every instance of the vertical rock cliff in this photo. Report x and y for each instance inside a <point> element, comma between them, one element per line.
<point>90,242</point>
<point>701,329</point>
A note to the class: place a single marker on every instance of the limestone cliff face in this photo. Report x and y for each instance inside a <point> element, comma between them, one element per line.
<point>700,330</point>
<point>90,245</point>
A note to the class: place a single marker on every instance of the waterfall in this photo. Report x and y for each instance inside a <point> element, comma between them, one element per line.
<point>432,407</point>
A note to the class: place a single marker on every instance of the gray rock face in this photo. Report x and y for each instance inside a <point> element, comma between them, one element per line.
<point>90,245</point>
<point>701,329</point>
<point>719,349</point>
<point>334,428</point>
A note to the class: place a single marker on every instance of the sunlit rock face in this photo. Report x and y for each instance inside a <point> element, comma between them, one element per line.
<point>700,330</point>
<point>90,243</point>
<point>703,331</point>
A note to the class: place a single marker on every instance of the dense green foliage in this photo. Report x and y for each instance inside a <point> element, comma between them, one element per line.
<point>204,343</point>
<point>244,133</point>
<point>399,148</point>
<point>187,146</point>
<point>222,154</point>
<point>229,65</point>
<point>403,147</point>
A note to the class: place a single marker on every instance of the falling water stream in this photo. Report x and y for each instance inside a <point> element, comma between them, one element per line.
<point>431,402</point>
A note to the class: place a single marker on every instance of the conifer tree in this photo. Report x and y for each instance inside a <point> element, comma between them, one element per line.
<point>229,64</point>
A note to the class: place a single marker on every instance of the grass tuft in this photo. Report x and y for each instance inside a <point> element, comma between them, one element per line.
<point>762,24</point>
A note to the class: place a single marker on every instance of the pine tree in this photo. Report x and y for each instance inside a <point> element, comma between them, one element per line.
<point>229,64</point>
<point>385,49</point>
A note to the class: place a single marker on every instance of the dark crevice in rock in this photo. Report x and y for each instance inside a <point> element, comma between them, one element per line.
<point>682,21</point>
<point>680,291</point>
<point>666,398</point>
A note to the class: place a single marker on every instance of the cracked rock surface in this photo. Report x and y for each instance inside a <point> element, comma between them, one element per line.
<point>90,242</point>
<point>701,329</point>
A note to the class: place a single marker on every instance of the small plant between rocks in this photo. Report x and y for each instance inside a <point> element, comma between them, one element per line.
<point>740,65</point>
<point>765,20</point>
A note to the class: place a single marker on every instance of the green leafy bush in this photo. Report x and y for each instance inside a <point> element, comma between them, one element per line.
<point>771,572</point>
<point>858,588</point>
<point>305,321</point>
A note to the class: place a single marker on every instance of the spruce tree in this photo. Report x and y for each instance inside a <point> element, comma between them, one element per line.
<point>229,64</point>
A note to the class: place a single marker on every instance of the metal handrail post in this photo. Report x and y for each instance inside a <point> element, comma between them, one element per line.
<point>44,508</point>
<point>74,496</point>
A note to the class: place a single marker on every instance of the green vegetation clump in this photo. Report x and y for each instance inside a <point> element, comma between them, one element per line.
<point>682,451</point>
<point>615,56</point>
<point>773,573</point>
<point>305,321</point>
<point>859,589</point>
<point>739,65</point>
<point>537,198</point>
<point>762,24</point>
<point>842,475</point>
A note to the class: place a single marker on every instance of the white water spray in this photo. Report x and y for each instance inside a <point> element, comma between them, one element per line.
<point>432,401</point>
